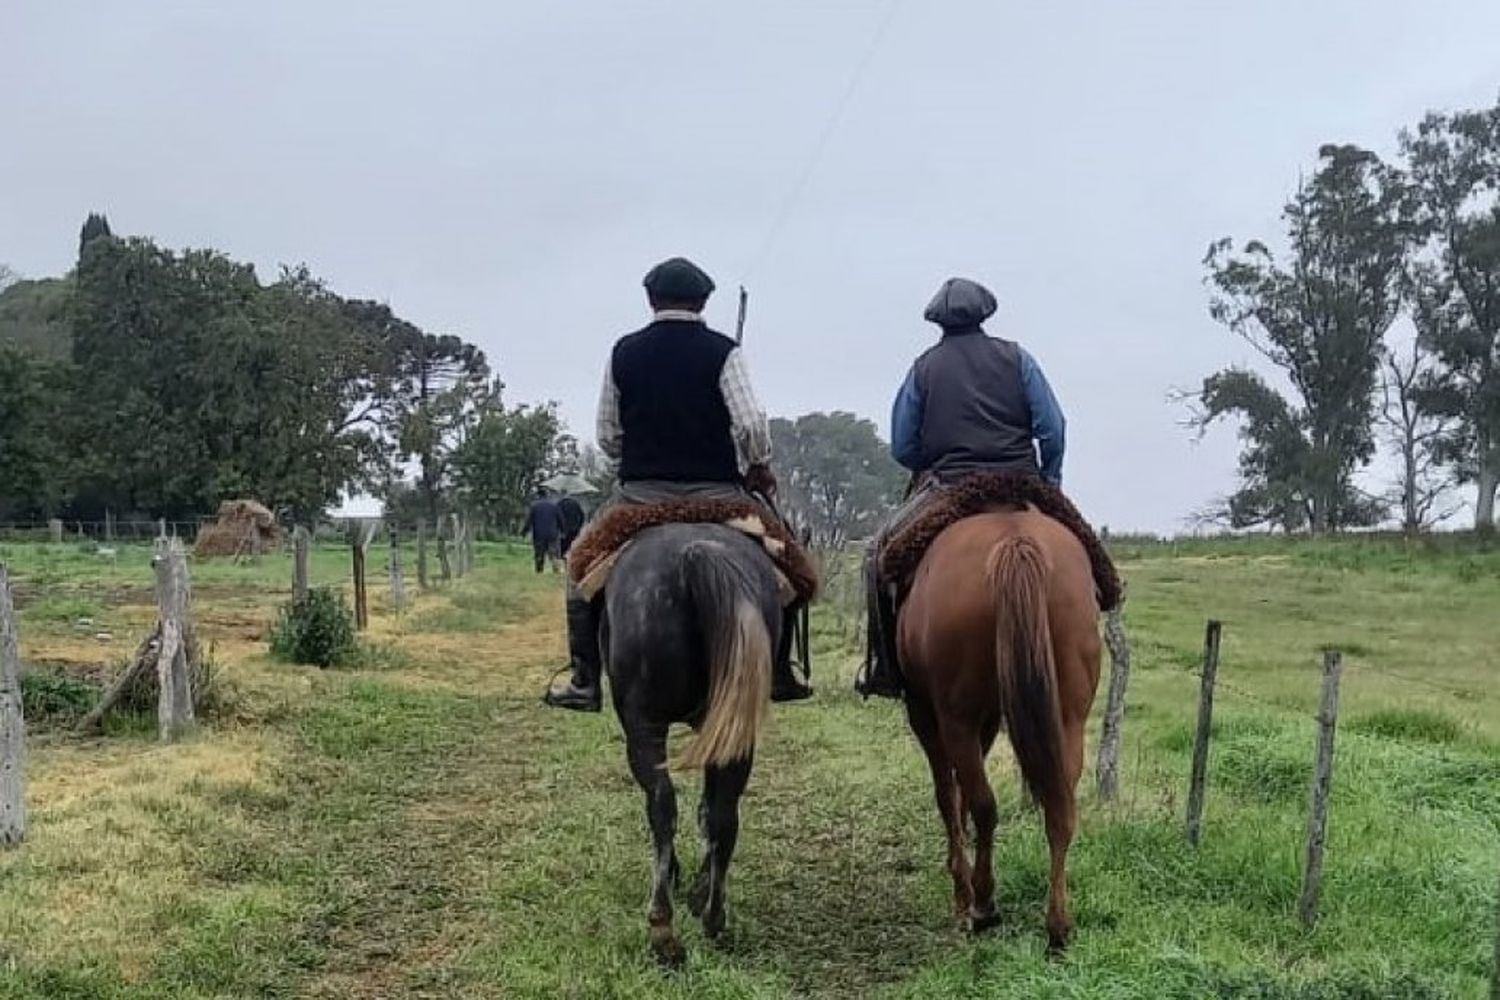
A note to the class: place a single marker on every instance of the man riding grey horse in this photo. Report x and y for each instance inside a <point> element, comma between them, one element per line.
<point>971,403</point>
<point>679,418</point>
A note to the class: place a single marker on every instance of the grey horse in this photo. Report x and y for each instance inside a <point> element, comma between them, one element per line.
<point>693,616</point>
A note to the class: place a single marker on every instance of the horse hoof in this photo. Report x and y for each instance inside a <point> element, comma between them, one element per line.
<point>1057,942</point>
<point>669,952</point>
<point>983,918</point>
<point>713,925</point>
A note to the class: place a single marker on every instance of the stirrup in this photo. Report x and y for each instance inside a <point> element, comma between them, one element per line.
<point>871,682</point>
<point>574,698</point>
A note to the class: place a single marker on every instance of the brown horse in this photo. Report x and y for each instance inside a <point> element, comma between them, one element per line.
<point>1000,630</point>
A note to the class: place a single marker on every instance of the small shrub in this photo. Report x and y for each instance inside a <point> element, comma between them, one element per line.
<point>55,694</point>
<point>317,630</point>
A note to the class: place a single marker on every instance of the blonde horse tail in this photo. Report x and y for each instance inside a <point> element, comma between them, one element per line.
<point>739,659</point>
<point>1017,572</point>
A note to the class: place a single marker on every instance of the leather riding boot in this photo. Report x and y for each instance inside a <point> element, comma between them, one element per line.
<point>881,676</point>
<point>581,693</point>
<point>785,684</point>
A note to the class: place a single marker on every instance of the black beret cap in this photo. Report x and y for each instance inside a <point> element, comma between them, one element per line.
<point>960,303</point>
<point>678,280</point>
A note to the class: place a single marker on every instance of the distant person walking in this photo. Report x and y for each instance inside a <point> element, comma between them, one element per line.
<point>572,515</point>
<point>544,523</point>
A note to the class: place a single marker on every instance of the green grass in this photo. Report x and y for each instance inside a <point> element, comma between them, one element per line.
<point>419,826</point>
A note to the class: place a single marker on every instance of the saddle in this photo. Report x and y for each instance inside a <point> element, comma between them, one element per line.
<point>988,491</point>
<point>596,552</point>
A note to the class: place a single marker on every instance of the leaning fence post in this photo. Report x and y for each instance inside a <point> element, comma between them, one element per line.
<point>1205,725</point>
<point>300,557</point>
<point>398,585</point>
<point>1108,771</point>
<point>1317,820</point>
<point>174,706</point>
<point>12,725</point>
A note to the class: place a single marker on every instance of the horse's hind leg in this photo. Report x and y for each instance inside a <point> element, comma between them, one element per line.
<point>966,749</point>
<point>720,818</point>
<point>646,745</point>
<point>949,802</point>
<point>1062,822</point>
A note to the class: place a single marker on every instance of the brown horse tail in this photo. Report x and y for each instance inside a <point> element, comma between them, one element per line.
<point>739,659</point>
<point>1017,571</point>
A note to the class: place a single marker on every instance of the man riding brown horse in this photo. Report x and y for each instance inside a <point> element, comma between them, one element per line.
<point>970,404</point>
<point>1002,582</point>
<point>678,416</point>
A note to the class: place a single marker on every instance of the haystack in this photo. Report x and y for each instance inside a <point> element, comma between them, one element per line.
<point>242,528</point>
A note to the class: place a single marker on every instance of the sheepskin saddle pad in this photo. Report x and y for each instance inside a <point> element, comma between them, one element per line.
<point>594,555</point>
<point>987,491</point>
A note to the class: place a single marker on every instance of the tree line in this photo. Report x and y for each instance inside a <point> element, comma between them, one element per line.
<point>157,382</point>
<point>1382,312</point>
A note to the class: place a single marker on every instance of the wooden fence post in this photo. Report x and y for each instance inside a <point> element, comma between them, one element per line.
<point>109,527</point>
<point>361,599</point>
<point>1317,820</point>
<point>1205,726</point>
<point>421,554</point>
<point>55,526</point>
<point>445,567</point>
<point>301,546</point>
<point>456,530</point>
<point>174,706</point>
<point>12,725</point>
<point>398,585</point>
<point>1108,771</point>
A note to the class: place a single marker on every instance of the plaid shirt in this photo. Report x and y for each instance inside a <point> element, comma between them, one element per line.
<point>747,421</point>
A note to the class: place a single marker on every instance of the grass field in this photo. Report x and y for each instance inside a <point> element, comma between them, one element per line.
<point>422,827</point>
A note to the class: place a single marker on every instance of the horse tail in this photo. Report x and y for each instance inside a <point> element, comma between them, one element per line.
<point>739,658</point>
<point>1017,571</point>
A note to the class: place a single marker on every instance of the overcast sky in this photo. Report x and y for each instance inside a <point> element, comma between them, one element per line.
<point>508,171</point>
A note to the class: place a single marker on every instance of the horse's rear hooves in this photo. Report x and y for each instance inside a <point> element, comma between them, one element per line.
<point>1057,943</point>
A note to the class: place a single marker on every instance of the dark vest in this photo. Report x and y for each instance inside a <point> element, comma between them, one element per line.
<point>675,423</point>
<point>974,412</point>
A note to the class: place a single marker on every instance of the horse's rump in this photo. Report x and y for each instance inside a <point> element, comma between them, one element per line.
<point>693,620</point>
<point>978,633</point>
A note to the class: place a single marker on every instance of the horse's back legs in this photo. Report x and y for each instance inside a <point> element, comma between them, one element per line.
<point>924,725</point>
<point>966,746</point>
<point>1075,700</point>
<point>646,746</point>
<point>719,822</point>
